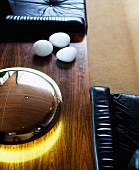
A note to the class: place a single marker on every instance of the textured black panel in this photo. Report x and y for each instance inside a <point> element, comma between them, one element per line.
<point>22,17</point>
<point>126,127</point>
<point>34,28</point>
<point>102,131</point>
<point>116,126</point>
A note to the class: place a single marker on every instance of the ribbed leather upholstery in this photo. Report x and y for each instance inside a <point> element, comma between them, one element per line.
<point>102,128</point>
<point>19,17</point>
<point>115,127</point>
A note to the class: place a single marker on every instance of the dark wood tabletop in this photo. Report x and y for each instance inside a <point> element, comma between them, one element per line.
<point>68,145</point>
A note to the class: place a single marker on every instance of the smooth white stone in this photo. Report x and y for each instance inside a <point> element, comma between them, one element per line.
<point>67,54</point>
<point>42,48</point>
<point>60,39</point>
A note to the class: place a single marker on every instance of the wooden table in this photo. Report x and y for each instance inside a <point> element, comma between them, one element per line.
<point>71,145</point>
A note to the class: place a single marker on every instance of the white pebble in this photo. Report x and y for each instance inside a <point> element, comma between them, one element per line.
<point>42,48</point>
<point>60,39</point>
<point>67,54</point>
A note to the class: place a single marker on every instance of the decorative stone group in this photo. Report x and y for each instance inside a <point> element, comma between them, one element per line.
<point>61,40</point>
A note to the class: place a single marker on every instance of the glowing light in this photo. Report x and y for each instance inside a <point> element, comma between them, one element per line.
<point>16,154</point>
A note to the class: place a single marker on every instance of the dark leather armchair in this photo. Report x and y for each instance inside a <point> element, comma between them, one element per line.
<point>25,18</point>
<point>115,129</point>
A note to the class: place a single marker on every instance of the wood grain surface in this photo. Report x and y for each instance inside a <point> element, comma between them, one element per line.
<point>73,148</point>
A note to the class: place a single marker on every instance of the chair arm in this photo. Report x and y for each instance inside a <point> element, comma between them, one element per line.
<point>102,128</point>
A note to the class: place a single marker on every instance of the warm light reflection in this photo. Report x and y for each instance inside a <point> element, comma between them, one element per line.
<point>16,154</point>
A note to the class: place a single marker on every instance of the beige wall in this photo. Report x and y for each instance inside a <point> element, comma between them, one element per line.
<point>113,44</point>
